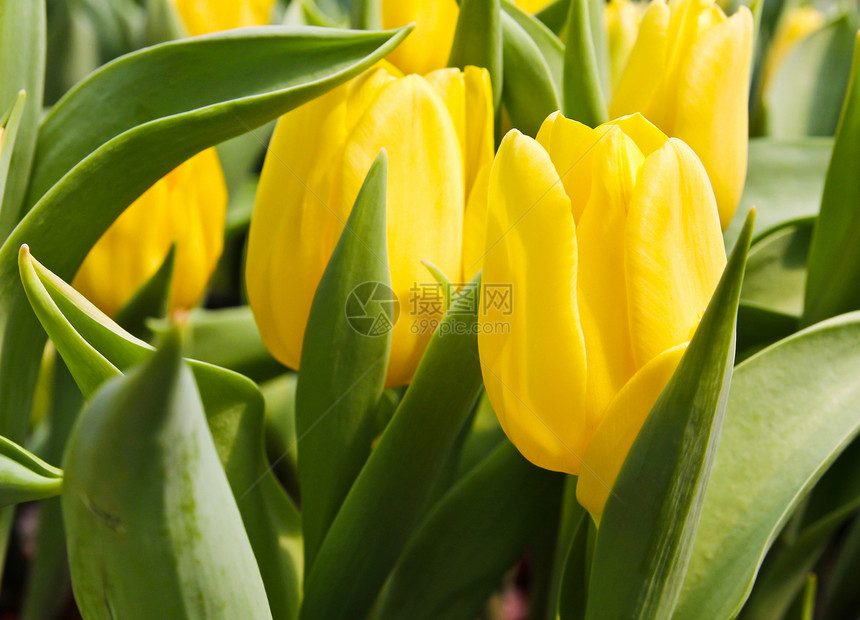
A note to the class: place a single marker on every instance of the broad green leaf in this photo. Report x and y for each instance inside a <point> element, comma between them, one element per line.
<point>840,596</point>
<point>645,539</point>
<point>280,423</point>
<point>478,40</point>
<point>806,94</point>
<point>153,529</point>
<point>389,496</point>
<point>150,301</point>
<point>343,369</point>
<point>584,100</point>
<point>551,48</point>
<point>25,477</point>
<point>461,550</point>
<point>10,125</point>
<point>234,410</point>
<point>229,338</point>
<point>484,436</point>
<point>100,148</point>
<point>834,257</point>
<point>530,91</point>
<point>785,179</point>
<point>791,411</point>
<point>22,67</point>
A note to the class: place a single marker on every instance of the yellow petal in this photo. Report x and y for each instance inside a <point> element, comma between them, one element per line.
<point>206,16</point>
<point>615,436</point>
<point>796,24</point>
<point>644,133</point>
<point>673,250</point>
<point>712,106</point>
<point>534,369</point>
<point>622,18</point>
<point>187,207</point>
<point>645,70</point>
<point>601,277</point>
<point>469,97</point>
<point>425,199</point>
<point>532,6</point>
<point>300,211</point>
<point>570,145</point>
<point>429,45</point>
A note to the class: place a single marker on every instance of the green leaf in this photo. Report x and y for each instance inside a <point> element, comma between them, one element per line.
<point>366,14</point>
<point>569,587</point>
<point>344,364</point>
<point>791,411</point>
<point>583,91</point>
<point>22,67</point>
<point>388,499</point>
<point>24,477</point>
<point>234,410</point>
<point>229,338</point>
<point>478,40</point>
<point>531,88</point>
<point>10,125</point>
<point>646,534</point>
<point>784,183</point>
<point>840,597</point>
<point>834,258</point>
<point>470,539</point>
<point>152,300</point>
<point>807,90</point>
<point>460,552</point>
<point>153,530</point>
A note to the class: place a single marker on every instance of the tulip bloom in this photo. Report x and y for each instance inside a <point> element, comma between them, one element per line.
<point>688,73</point>
<point>610,241</point>
<point>429,45</point>
<point>186,208</point>
<point>206,16</point>
<point>622,19</point>
<point>438,132</point>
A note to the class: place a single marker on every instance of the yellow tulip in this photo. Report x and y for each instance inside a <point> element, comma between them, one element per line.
<point>610,241</point>
<point>797,24</point>
<point>206,16</point>
<point>429,45</point>
<point>438,132</point>
<point>688,73</point>
<point>186,208</point>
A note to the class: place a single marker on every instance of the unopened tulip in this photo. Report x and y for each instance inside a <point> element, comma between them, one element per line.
<point>610,242</point>
<point>429,45</point>
<point>796,25</point>
<point>688,73</point>
<point>438,132</point>
<point>186,208</point>
<point>622,19</point>
<point>206,16</point>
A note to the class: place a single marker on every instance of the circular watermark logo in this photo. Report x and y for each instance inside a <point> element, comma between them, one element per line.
<point>372,309</point>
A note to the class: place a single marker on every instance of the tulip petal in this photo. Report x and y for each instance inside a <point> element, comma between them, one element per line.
<point>429,44</point>
<point>206,16</point>
<point>601,273</point>
<point>469,97</point>
<point>534,369</point>
<point>645,134</point>
<point>646,68</point>
<point>570,146</point>
<point>674,250</point>
<point>475,226</point>
<point>713,85</point>
<point>425,199</point>
<point>615,436</point>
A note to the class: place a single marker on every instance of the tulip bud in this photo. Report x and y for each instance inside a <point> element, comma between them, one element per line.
<point>622,19</point>
<point>610,242</point>
<point>186,208</point>
<point>438,132</point>
<point>206,16</point>
<point>689,73</point>
<point>794,26</point>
